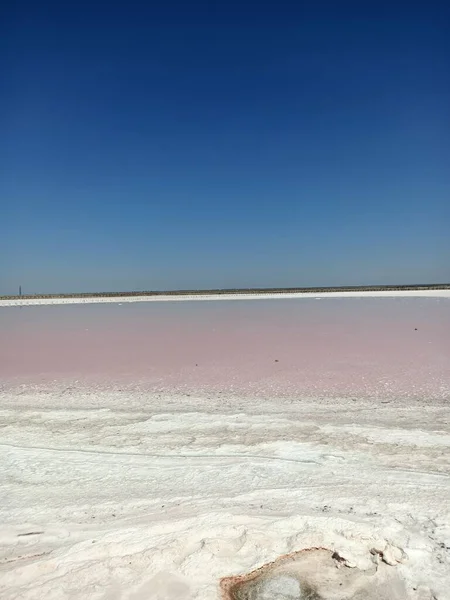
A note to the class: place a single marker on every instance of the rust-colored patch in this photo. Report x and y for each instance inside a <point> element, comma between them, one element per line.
<point>228,585</point>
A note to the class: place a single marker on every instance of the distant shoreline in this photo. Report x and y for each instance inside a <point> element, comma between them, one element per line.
<point>438,291</point>
<point>236,291</point>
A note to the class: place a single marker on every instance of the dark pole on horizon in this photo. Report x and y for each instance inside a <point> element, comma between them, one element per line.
<point>20,290</point>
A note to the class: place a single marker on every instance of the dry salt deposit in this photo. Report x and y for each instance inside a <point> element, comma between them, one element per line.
<point>261,449</point>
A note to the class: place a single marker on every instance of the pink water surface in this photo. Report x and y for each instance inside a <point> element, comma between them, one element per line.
<point>379,347</point>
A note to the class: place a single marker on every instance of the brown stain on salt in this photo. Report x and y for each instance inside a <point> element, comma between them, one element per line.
<point>228,585</point>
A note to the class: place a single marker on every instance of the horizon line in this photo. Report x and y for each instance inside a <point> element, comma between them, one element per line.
<point>219,291</point>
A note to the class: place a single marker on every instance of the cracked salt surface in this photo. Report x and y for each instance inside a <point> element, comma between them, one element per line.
<point>146,505</point>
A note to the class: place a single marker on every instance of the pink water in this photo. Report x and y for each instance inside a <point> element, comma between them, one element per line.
<point>380,347</point>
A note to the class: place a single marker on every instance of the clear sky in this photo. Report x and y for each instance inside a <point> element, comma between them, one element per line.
<point>151,145</point>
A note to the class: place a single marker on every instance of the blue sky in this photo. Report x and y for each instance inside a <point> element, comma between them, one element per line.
<point>199,145</point>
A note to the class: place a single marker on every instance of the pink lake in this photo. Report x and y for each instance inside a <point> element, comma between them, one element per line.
<point>372,347</point>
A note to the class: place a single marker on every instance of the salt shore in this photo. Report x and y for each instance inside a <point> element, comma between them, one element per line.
<point>120,299</point>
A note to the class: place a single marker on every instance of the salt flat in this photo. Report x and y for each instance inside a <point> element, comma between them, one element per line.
<point>135,484</point>
<point>439,293</point>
